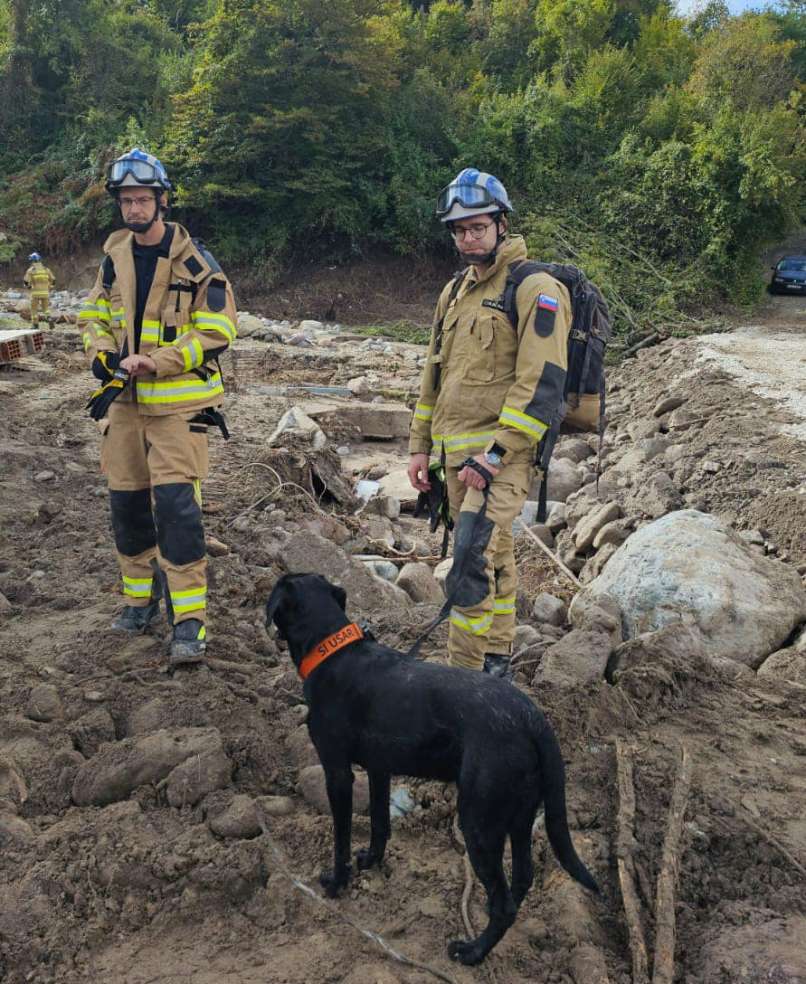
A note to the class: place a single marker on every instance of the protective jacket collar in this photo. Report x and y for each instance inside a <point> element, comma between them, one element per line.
<point>510,251</point>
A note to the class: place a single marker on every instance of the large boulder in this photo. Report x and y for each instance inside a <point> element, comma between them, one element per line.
<point>690,567</point>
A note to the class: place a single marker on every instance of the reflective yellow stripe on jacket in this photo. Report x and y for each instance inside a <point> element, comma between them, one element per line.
<point>178,390</point>
<point>523,422</point>
<point>460,442</point>
<point>206,321</point>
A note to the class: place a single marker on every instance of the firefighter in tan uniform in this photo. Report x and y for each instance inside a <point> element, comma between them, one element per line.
<point>160,313</point>
<point>39,279</point>
<point>488,395</point>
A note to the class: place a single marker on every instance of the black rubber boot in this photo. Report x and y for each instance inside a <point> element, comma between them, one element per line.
<point>497,665</point>
<point>189,642</point>
<point>136,620</point>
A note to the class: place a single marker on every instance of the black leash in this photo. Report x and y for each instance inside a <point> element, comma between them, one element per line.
<point>446,608</point>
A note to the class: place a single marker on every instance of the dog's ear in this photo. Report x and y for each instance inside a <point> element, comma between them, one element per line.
<point>278,597</point>
<point>340,595</point>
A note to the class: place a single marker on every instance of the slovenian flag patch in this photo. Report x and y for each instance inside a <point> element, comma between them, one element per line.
<point>547,302</point>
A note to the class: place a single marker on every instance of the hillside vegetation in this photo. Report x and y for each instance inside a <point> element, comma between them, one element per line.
<point>659,152</point>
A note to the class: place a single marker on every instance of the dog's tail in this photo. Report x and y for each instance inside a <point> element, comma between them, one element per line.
<point>553,776</point>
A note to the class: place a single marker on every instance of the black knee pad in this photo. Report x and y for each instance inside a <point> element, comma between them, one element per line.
<point>180,531</point>
<point>468,576</point>
<point>132,521</point>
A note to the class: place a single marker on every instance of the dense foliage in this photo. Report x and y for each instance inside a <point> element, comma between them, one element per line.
<point>659,152</point>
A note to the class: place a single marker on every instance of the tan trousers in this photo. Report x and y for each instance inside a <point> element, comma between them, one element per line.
<point>40,308</point>
<point>483,618</point>
<point>154,467</point>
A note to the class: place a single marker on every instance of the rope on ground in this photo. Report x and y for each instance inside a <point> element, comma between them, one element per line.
<point>626,863</point>
<point>278,488</point>
<point>552,557</point>
<point>336,911</point>
<point>467,891</point>
<point>663,968</point>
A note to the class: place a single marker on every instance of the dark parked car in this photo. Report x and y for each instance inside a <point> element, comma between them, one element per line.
<point>789,275</point>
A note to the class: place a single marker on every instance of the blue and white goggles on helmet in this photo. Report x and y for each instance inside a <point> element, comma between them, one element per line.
<point>145,170</point>
<point>466,195</point>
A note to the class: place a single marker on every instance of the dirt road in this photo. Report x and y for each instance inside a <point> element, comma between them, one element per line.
<point>141,892</point>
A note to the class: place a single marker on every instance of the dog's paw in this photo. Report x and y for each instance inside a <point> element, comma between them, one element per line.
<point>467,952</point>
<point>365,858</point>
<point>333,883</point>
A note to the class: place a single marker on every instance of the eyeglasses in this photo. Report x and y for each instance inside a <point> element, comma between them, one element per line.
<point>477,231</point>
<point>468,196</point>
<point>139,202</point>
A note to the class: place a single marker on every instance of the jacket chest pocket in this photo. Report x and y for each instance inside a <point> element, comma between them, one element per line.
<point>475,345</point>
<point>175,315</point>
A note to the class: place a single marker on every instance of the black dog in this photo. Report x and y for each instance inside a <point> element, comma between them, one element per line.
<point>371,705</point>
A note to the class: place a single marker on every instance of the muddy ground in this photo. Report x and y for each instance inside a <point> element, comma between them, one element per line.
<point>140,892</point>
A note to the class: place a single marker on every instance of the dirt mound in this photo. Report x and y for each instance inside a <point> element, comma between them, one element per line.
<point>158,885</point>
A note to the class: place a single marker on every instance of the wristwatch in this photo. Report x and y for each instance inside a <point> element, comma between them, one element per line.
<point>492,458</point>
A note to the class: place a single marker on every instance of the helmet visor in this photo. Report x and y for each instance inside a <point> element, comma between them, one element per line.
<point>142,171</point>
<point>467,195</point>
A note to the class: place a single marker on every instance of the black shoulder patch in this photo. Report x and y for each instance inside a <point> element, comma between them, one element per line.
<point>193,266</point>
<point>545,315</point>
<point>217,294</point>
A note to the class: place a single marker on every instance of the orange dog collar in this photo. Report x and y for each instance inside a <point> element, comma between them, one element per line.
<point>332,644</point>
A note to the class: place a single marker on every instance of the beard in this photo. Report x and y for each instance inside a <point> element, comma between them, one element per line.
<point>478,259</point>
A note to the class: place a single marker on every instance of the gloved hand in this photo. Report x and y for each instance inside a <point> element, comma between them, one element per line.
<point>102,398</point>
<point>104,365</point>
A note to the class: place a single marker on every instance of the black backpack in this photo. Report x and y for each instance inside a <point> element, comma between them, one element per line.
<point>583,407</point>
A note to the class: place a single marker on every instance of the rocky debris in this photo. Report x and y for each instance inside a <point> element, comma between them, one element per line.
<point>215,548</point>
<point>599,614</point>
<point>396,483</point>
<point>420,584</point>
<point>44,703</point>
<point>191,759</point>
<point>376,421</point>
<point>381,568</point>
<point>15,833</point>
<point>359,386</point>
<point>301,750</point>
<point>237,820</point>
<point>276,806</point>
<point>307,552</point>
<point>442,570</point>
<point>44,476</point>
<point>296,427</point>
<point>615,532</point>
<point>668,403</point>
<point>92,730</point>
<point>312,787</point>
<point>587,529</point>
<point>549,609</point>
<point>577,659</point>
<point>788,663</point>
<point>564,478</point>
<point>690,567</point>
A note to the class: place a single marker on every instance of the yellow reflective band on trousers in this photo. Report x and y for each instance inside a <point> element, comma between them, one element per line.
<point>505,606</point>
<point>137,587</point>
<point>206,321</point>
<point>179,390</point>
<point>523,422</point>
<point>189,601</point>
<point>460,442</point>
<point>478,625</point>
<point>423,411</point>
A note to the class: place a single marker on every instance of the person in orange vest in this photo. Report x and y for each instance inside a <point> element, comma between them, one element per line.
<point>39,279</point>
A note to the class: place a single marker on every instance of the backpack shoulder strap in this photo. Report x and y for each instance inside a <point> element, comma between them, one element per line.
<point>517,273</point>
<point>108,276</point>
<point>456,286</point>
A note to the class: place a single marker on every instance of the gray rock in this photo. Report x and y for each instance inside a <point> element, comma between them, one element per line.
<point>310,326</point>
<point>306,552</point>
<point>299,340</point>
<point>44,703</point>
<point>294,426</point>
<point>92,730</point>
<point>197,776</point>
<point>601,615</point>
<point>442,570</point>
<point>383,569</point>
<point>44,476</point>
<point>312,787</point>
<point>543,533</point>
<point>615,532</point>
<point>656,497</point>
<point>587,528</point>
<point>525,635</point>
<point>277,806</point>
<point>359,386</point>
<point>117,769</point>
<point>301,750</point>
<point>549,609</point>
<point>578,658</point>
<point>675,645</point>
<point>564,478</point>
<point>594,567</point>
<point>690,567</point>
<point>785,664</point>
<point>420,584</point>
<point>640,429</point>
<point>237,820</point>
<point>668,403</point>
<point>556,516</point>
<point>575,448</point>
<point>249,325</point>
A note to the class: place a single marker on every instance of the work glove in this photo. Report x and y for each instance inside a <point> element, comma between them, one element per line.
<point>104,365</point>
<point>102,398</point>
